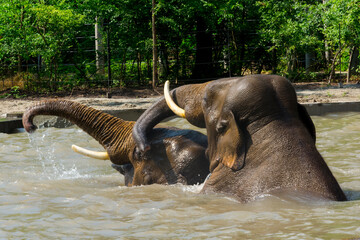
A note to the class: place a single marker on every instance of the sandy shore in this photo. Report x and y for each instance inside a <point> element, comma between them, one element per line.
<point>328,94</point>
<point>10,106</point>
<point>306,94</point>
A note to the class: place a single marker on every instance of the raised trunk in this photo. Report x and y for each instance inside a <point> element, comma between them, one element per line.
<point>188,97</point>
<point>112,133</point>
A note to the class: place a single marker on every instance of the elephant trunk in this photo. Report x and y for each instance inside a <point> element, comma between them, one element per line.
<point>188,97</point>
<point>112,133</point>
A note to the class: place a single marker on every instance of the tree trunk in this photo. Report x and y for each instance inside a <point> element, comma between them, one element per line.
<point>327,52</point>
<point>203,60</point>
<point>353,62</point>
<point>139,68</point>
<point>19,64</point>
<point>155,54</point>
<point>177,65</point>
<point>332,72</point>
<point>123,68</point>
<point>274,61</point>
<point>308,61</point>
<point>164,63</point>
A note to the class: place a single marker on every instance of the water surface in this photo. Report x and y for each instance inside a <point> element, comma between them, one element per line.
<point>48,191</point>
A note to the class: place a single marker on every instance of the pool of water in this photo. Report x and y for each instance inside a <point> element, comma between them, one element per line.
<point>48,191</point>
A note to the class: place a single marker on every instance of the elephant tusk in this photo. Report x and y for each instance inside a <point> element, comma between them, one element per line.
<point>172,105</point>
<point>92,154</point>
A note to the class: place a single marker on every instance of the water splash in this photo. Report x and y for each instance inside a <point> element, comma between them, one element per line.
<point>53,167</point>
<point>192,188</point>
<point>195,188</point>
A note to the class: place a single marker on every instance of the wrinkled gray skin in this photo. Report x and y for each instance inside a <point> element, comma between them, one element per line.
<point>260,139</point>
<point>177,156</point>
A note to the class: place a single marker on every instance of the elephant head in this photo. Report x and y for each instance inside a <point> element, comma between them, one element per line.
<point>260,139</point>
<point>177,156</point>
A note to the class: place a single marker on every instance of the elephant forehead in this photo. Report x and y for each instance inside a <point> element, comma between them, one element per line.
<point>249,98</point>
<point>254,97</point>
<point>215,100</point>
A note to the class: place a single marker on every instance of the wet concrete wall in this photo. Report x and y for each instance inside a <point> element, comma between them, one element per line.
<point>13,122</point>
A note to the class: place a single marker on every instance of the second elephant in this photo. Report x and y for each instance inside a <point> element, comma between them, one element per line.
<point>177,156</point>
<point>260,139</point>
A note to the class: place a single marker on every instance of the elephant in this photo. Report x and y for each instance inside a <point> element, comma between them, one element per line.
<point>260,139</point>
<point>177,156</point>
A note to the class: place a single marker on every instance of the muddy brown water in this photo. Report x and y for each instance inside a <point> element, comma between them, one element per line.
<point>49,192</point>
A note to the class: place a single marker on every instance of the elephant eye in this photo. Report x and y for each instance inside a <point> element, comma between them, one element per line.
<point>221,126</point>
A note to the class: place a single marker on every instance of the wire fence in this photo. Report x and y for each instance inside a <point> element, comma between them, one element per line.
<point>128,67</point>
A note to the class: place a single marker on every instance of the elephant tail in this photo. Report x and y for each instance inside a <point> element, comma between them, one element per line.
<point>113,133</point>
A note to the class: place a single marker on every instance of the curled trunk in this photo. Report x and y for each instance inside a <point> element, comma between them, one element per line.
<point>112,133</point>
<point>188,97</point>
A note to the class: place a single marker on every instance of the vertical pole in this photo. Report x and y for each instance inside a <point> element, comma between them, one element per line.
<point>99,47</point>
<point>155,55</point>
<point>340,49</point>
<point>327,52</point>
<point>109,59</point>
<point>229,52</point>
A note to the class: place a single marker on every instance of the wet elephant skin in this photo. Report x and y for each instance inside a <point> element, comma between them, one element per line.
<point>260,139</point>
<point>177,156</point>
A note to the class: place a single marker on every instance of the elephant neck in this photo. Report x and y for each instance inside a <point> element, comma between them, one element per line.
<point>287,149</point>
<point>283,136</point>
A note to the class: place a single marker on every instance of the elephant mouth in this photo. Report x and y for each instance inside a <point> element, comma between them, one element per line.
<point>237,163</point>
<point>214,164</point>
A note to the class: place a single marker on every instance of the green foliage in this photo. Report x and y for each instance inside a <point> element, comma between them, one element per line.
<point>14,92</point>
<point>54,40</point>
<point>55,29</point>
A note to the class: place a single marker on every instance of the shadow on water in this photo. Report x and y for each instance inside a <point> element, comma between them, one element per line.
<point>352,195</point>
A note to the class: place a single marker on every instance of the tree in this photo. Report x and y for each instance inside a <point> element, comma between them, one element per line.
<point>342,31</point>
<point>292,28</point>
<point>55,31</point>
<point>16,32</point>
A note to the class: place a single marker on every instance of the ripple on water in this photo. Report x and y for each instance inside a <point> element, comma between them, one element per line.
<point>47,191</point>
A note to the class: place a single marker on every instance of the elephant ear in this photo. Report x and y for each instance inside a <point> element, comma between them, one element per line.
<point>306,120</point>
<point>231,143</point>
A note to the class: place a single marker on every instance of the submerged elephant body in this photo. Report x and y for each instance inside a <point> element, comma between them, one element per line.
<point>177,156</point>
<point>260,139</point>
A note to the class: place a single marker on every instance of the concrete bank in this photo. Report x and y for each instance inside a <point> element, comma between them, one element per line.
<point>12,122</point>
<point>320,109</point>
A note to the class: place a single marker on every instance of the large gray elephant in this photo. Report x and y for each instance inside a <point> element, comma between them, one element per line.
<point>177,156</point>
<point>260,139</point>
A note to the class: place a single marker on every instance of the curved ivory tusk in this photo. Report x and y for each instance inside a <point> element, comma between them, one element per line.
<point>92,154</point>
<point>172,105</point>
